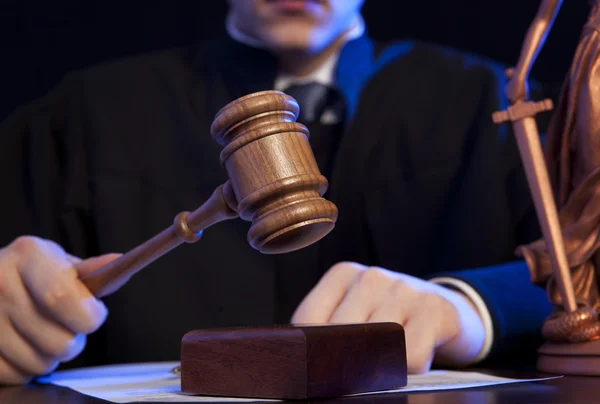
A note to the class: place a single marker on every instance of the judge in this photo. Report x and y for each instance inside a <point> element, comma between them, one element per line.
<point>431,194</point>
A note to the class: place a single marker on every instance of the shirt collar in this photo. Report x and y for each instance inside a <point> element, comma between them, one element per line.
<point>325,74</point>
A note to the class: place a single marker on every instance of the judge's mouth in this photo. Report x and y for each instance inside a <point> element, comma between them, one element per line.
<point>296,6</point>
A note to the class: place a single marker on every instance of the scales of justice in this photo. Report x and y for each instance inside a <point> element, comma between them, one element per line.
<point>274,183</point>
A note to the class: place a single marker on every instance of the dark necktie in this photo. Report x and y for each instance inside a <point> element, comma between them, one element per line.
<point>315,99</point>
<point>322,111</point>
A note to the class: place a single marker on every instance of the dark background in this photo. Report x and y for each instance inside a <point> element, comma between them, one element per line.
<point>41,40</point>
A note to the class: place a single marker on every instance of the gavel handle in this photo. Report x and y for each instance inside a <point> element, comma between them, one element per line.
<point>187,227</point>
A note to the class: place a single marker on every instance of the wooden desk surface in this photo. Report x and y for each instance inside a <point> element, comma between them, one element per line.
<point>564,390</point>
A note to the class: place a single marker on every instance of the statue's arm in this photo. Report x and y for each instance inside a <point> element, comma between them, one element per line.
<point>516,89</point>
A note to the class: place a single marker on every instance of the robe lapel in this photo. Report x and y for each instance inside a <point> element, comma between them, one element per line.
<point>239,70</point>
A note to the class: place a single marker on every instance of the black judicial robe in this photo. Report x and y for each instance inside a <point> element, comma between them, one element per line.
<point>424,181</point>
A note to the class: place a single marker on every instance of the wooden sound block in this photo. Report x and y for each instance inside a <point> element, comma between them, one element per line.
<point>294,362</point>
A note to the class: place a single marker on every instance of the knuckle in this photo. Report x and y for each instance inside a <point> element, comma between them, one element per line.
<point>56,296</point>
<point>435,303</point>
<point>342,269</point>
<point>5,287</point>
<point>432,300</point>
<point>68,274</point>
<point>25,245</point>
<point>372,278</point>
<point>8,277</point>
<point>400,290</point>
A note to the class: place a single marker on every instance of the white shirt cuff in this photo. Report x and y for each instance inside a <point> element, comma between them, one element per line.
<point>481,307</point>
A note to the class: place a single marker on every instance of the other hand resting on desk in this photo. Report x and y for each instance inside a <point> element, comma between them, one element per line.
<point>441,325</point>
<point>45,311</point>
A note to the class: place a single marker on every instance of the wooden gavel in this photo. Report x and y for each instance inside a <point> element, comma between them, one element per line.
<point>274,182</point>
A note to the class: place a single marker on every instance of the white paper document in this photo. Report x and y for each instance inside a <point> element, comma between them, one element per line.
<point>153,382</point>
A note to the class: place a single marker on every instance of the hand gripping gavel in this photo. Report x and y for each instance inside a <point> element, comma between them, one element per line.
<point>274,182</point>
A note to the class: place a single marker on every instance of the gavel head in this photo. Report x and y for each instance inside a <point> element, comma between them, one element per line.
<point>273,172</point>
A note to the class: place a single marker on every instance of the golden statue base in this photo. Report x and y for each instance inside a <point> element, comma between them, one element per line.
<point>575,359</point>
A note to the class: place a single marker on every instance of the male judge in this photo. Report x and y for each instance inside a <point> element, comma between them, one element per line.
<point>431,195</point>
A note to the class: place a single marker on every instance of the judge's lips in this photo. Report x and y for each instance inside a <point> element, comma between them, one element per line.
<point>296,6</point>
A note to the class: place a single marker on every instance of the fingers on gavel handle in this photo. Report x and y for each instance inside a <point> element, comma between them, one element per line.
<point>115,274</point>
<point>187,227</point>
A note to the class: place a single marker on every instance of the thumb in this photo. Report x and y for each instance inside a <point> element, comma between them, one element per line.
<point>87,266</point>
<point>99,277</point>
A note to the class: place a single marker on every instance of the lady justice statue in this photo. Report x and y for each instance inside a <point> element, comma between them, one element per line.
<point>564,181</point>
